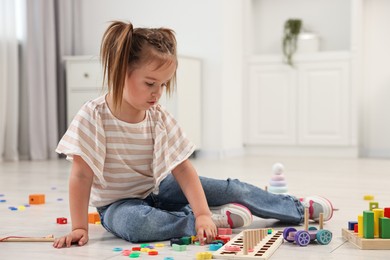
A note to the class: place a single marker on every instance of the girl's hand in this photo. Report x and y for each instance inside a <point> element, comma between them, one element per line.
<point>79,236</point>
<point>204,225</point>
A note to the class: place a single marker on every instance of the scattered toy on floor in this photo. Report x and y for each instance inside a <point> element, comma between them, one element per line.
<point>308,234</point>
<point>256,244</point>
<point>277,183</point>
<point>372,230</point>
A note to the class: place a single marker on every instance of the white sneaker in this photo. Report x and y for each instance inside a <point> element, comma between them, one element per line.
<point>317,205</point>
<point>231,215</point>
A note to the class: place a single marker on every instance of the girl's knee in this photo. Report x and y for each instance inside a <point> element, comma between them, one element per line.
<point>237,189</point>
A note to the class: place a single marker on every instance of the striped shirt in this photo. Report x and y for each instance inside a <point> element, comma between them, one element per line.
<point>128,160</point>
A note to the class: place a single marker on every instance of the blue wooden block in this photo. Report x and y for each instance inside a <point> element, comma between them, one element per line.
<point>215,247</point>
<point>351,225</point>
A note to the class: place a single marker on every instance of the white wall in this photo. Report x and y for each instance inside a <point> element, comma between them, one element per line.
<point>376,80</point>
<point>209,30</point>
<point>329,18</point>
<point>212,31</point>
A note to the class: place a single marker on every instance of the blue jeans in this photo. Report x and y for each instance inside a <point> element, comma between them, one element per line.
<point>168,215</point>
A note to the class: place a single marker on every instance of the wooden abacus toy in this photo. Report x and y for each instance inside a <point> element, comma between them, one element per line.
<point>251,244</point>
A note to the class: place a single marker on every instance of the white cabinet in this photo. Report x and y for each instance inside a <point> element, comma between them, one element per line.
<point>324,103</point>
<point>272,104</point>
<point>84,83</point>
<point>311,109</point>
<point>308,105</point>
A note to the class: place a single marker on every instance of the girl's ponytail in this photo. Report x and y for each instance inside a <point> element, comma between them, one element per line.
<point>114,52</point>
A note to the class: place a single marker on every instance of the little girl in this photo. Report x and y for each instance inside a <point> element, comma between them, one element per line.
<point>130,156</point>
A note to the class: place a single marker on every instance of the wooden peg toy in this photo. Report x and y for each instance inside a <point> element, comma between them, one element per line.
<point>49,238</point>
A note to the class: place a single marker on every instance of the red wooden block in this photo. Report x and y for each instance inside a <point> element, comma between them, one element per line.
<point>386,212</point>
<point>356,228</point>
<point>225,239</point>
<point>224,231</point>
<point>62,221</point>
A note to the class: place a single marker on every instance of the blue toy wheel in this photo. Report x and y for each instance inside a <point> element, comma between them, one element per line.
<point>312,228</point>
<point>286,232</point>
<point>324,237</point>
<point>302,238</point>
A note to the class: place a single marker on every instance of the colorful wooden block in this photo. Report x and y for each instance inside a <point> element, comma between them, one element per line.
<point>177,247</point>
<point>153,252</point>
<point>62,221</point>
<point>204,256</point>
<point>93,217</point>
<point>373,205</point>
<point>186,240</point>
<point>360,226</point>
<point>224,231</point>
<point>368,224</point>
<point>384,228</point>
<point>368,197</point>
<point>135,254</point>
<point>356,228</point>
<point>215,247</point>
<point>351,224</point>
<point>36,199</point>
<point>224,239</point>
<point>126,252</point>
<point>378,213</point>
<point>386,212</point>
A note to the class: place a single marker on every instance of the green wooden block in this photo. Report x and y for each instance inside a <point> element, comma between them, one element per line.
<point>374,205</point>
<point>384,227</point>
<point>186,240</point>
<point>176,247</point>
<point>368,226</point>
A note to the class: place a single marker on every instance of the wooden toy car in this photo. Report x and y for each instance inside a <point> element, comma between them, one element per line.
<point>304,237</point>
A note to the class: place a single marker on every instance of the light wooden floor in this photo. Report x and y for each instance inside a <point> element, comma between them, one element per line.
<point>343,181</point>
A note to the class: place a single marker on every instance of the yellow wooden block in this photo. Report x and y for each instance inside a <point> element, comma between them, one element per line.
<point>21,207</point>
<point>360,226</point>
<point>368,197</point>
<point>378,213</point>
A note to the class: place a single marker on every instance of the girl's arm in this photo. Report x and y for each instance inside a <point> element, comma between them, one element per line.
<point>185,174</point>
<point>80,183</point>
